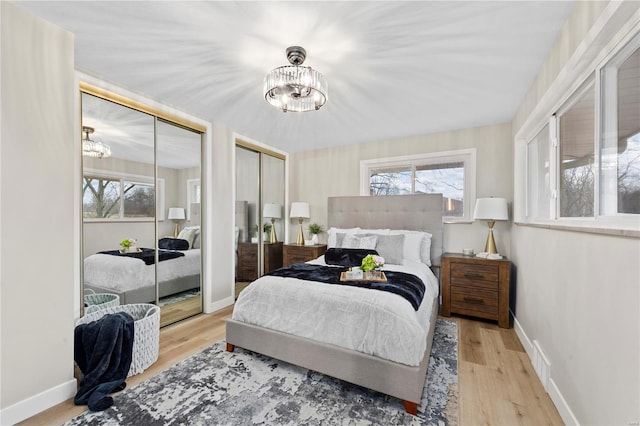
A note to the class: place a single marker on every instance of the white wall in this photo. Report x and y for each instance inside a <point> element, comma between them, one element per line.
<point>578,294</point>
<point>316,175</point>
<point>38,215</point>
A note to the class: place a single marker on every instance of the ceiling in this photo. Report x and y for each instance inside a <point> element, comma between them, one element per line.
<point>394,68</point>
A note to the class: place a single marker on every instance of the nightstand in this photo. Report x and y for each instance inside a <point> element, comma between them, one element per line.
<point>476,287</point>
<point>294,253</point>
<point>248,260</point>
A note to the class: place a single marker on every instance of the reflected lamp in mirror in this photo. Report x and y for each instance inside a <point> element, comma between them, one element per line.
<point>491,209</point>
<point>272,211</point>
<point>300,211</point>
<point>176,214</point>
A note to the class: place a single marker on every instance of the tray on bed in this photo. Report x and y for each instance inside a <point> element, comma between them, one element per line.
<point>383,278</point>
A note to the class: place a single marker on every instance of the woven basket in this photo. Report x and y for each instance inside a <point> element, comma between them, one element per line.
<point>95,301</point>
<point>146,338</point>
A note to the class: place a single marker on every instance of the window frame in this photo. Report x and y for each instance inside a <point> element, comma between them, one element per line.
<point>465,156</point>
<point>616,224</point>
<point>133,178</point>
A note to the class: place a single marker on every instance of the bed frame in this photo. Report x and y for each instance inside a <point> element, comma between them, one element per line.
<point>148,294</point>
<point>420,212</point>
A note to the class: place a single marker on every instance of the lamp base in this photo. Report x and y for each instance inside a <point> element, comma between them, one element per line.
<point>175,231</point>
<point>272,237</point>
<point>490,245</point>
<point>300,239</point>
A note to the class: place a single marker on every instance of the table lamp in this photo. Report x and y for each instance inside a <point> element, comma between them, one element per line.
<point>272,210</point>
<point>491,209</point>
<point>176,214</point>
<point>300,211</point>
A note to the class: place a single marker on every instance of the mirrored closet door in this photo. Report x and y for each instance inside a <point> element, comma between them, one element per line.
<point>141,206</point>
<point>260,212</point>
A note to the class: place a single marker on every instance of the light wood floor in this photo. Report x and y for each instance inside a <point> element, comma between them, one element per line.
<point>497,384</point>
<point>179,310</point>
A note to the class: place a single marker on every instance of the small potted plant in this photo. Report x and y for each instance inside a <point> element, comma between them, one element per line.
<point>314,230</point>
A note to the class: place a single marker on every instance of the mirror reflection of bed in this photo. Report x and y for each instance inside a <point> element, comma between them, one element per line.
<point>148,188</point>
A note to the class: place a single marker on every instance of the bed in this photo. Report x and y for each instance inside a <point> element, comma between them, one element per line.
<point>134,281</point>
<point>379,364</point>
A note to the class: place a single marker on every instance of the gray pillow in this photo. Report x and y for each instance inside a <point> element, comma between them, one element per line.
<point>390,247</point>
<point>360,241</point>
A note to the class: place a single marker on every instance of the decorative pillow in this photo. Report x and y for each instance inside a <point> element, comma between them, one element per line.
<point>360,242</point>
<point>391,248</point>
<point>425,249</point>
<point>189,233</point>
<point>416,247</point>
<point>196,240</point>
<point>173,244</point>
<point>331,241</point>
<point>346,257</point>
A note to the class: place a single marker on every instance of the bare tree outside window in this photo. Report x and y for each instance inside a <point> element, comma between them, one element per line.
<point>390,182</point>
<point>102,198</point>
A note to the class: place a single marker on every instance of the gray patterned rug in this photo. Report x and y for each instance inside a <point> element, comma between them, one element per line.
<point>216,387</point>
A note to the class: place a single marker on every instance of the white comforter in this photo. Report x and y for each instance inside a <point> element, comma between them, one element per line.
<point>374,322</point>
<point>124,273</point>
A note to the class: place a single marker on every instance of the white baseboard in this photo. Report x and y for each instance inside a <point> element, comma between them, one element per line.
<point>218,304</point>
<point>36,404</point>
<point>537,357</point>
<point>563,408</point>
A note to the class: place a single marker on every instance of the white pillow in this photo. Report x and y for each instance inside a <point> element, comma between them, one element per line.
<point>189,233</point>
<point>374,231</point>
<point>425,249</point>
<point>331,241</point>
<point>417,245</point>
<point>359,242</point>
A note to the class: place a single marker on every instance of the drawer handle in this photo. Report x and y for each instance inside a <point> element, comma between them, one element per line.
<point>473,300</point>
<point>473,275</point>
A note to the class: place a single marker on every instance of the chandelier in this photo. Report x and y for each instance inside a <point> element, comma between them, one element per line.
<point>294,87</point>
<point>92,148</point>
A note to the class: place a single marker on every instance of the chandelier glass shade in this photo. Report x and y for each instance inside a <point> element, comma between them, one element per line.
<point>91,148</point>
<point>295,87</point>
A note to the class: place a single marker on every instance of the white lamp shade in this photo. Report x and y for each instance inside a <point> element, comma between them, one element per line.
<point>491,209</point>
<point>299,210</point>
<point>176,213</point>
<point>271,210</point>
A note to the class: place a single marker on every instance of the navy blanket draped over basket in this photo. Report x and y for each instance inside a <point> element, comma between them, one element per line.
<point>103,351</point>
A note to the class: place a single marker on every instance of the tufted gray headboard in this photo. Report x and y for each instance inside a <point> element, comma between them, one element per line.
<point>416,212</point>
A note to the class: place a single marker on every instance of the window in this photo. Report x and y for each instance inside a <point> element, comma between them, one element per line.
<point>110,197</point>
<point>620,134</point>
<point>450,173</point>
<point>576,127</point>
<point>538,166</point>
<point>585,162</point>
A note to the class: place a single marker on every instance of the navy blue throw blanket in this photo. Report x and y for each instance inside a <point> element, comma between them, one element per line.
<point>103,351</point>
<point>147,255</point>
<point>406,285</point>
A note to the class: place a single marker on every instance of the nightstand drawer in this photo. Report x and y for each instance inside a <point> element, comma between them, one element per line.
<point>478,300</point>
<point>297,258</point>
<point>475,272</point>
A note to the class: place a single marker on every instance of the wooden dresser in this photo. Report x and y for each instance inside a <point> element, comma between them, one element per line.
<point>294,253</point>
<point>248,260</point>
<point>476,287</point>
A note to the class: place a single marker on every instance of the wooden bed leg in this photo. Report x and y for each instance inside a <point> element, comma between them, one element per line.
<point>411,407</point>
<point>230,347</point>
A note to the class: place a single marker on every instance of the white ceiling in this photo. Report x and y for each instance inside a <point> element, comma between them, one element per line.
<point>394,68</point>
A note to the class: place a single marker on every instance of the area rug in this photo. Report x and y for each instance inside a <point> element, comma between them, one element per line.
<point>179,297</point>
<point>216,387</point>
